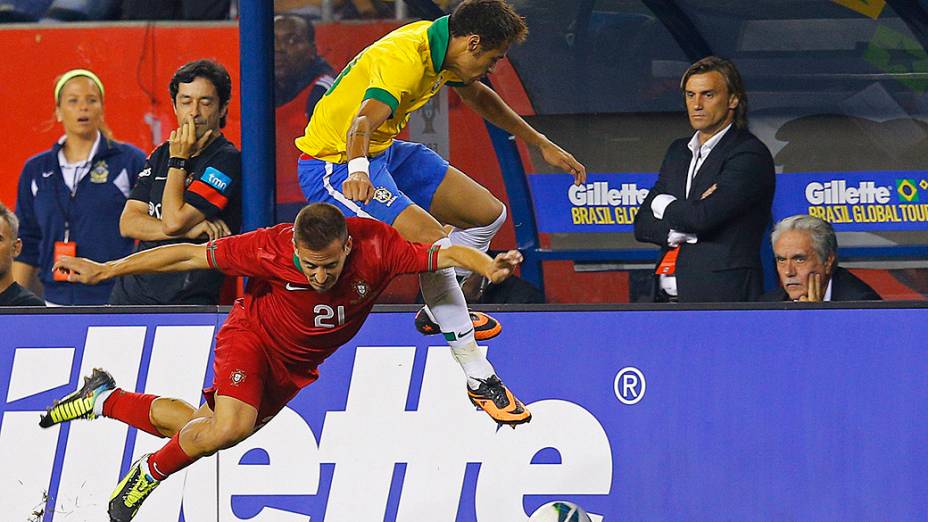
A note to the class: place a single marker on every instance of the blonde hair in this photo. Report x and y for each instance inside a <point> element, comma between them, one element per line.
<point>75,73</point>
<point>86,73</point>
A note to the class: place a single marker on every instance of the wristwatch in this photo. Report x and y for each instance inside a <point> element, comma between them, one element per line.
<point>175,162</point>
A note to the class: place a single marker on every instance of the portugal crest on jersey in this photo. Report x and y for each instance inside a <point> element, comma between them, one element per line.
<point>237,377</point>
<point>362,289</point>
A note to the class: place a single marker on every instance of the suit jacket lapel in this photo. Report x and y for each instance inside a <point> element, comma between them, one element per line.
<point>680,171</point>
<point>710,168</point>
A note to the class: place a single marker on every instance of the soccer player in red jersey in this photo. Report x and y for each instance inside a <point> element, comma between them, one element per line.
<point>311,286</point>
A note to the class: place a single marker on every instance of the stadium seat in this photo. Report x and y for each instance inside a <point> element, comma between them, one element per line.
<point>81,10</point>
<point>23,10</point>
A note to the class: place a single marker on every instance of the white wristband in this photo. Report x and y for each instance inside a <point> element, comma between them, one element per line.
<point>359,165</point>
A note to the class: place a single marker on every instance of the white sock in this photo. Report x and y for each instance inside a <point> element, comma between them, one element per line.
<point>98,406</point>
<point>476,237</point>
<point>474,363</point>
<point>446,306</point>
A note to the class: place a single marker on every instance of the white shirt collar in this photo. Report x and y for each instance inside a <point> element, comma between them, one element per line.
<point>63,161</point>
<point>709,144</point>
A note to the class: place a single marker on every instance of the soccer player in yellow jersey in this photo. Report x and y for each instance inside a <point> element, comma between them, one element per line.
<point>352,160</point>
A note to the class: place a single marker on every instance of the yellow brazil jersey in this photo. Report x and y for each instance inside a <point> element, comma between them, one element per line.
<point>403,69</point>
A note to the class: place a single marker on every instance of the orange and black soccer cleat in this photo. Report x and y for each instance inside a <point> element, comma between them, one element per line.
<point>485,327</point>
<point>493,397</point>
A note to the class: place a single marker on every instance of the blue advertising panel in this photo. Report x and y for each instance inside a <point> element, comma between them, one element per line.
<point>638,415</point>
<point>857,201</point>
<point>851,201</point>
<point>607,202</point>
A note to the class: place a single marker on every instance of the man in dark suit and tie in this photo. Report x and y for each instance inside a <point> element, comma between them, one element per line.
<point>806,251</point>
<point>711,203</point>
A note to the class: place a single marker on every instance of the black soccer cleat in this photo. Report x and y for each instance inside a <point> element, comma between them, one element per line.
<point>132,490</point>
<point>485,327</point>
<point>79,405</point>
<point>493,397</point>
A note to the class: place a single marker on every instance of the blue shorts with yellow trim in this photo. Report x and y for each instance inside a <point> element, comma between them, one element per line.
<point>404,174</point>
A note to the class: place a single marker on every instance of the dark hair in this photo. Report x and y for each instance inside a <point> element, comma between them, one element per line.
<point>310,28</point>
<point>210,70</point>
<point>317,225</point>
<point>11,219</point>
<point>732,80</point>
<point>494,21</point>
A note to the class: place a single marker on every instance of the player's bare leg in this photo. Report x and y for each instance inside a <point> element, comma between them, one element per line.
<point>169,415</point>
<point>445,299</point>
<point>99,397</point>
<point>474,214</point>
<point>206,433</point>
<point>463,203</point>
<point>232,422</point>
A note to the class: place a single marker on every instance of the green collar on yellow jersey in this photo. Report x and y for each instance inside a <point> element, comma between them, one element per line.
<point>439,35</point>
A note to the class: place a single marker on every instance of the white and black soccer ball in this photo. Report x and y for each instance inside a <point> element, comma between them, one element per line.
<point>559,511</point>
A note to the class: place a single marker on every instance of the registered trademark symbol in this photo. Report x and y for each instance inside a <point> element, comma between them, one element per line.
<point>629,385</point>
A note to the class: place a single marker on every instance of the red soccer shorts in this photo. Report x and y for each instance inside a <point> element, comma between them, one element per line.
<point>246,371</point>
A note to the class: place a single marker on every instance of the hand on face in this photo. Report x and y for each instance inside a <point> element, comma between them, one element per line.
<point>189,139</point>
<point>199,113</point>
<point>803,274</point>
<point>814,292</point>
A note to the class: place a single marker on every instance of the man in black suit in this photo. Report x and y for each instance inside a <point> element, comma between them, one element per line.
<point>806,251</point>
<point>712,200</point>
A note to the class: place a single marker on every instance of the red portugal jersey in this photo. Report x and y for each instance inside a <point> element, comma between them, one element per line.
<point>297,323</point>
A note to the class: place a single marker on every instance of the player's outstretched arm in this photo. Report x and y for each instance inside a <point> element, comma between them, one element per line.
<point>496,269</point>
<point>169,258</point>
<point>485,102</point>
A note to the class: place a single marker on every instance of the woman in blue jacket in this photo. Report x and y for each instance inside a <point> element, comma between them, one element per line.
<point>71,196</point>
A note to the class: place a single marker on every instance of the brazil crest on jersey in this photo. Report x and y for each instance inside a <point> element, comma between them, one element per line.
<point>403,70</point>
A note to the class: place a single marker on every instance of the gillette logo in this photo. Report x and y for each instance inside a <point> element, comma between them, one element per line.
<point>599,193</point>
<point>836,192</point>
<point>370,455</point>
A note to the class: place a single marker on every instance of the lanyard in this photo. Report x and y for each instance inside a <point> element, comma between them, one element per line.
<point>79,173</point>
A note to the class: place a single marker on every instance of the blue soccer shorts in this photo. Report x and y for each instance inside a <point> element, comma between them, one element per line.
<point>404,174</point>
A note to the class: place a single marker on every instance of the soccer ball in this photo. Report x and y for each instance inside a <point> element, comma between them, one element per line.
<point>559,511</point>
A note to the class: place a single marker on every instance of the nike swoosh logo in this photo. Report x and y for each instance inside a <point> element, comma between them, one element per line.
<point>47,174</point>
<point>289,286</point>
<point>460,335</point>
